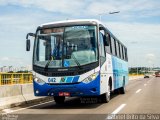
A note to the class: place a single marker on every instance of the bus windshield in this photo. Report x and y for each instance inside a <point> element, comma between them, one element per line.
<point>66,46</point>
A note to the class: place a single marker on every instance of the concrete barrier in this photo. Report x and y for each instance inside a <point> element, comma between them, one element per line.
<point>14,95</point>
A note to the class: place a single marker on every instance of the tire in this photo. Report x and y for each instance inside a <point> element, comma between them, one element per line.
<point>59,99</point>
<point>122,90</point>
<point>107,96</point>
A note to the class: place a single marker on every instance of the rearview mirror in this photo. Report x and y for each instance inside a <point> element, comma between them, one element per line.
<point>28,44</point>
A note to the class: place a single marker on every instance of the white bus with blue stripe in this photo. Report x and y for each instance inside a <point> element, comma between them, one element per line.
<point>77,58</point>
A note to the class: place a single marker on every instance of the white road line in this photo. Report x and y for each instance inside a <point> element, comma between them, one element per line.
<point>115,112</point>
<point>150,80</point>
<point>7,111</point>
<point>138,90</point>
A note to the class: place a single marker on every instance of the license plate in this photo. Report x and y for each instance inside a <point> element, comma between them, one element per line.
<point>64,94</point>
<point>61,94</point>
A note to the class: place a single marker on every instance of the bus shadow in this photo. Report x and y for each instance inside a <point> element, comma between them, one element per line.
<point>75,103</point>
<point>115,94</point>
<point>78,103</point>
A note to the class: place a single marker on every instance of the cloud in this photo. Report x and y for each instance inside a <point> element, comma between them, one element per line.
<point>62,6</point>
<point>96,8</point>
<point>142,8</point>
<point>12,61</point>
<point>91,7</point>
<point>150,57</point>
<point>4,59</point>
<point>137,32</point>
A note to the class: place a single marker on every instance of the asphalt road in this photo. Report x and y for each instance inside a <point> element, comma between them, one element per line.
<point>142,97</point>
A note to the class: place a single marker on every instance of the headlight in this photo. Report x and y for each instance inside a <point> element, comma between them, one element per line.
<point>39,81</point>
<point>90,78</point>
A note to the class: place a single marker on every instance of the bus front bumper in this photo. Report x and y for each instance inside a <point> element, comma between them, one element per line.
<point>79,89</point>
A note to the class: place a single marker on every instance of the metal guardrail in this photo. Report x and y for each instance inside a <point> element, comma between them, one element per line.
<point>15,78</point>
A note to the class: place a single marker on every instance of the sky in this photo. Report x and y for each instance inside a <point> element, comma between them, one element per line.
<point>137,25</point>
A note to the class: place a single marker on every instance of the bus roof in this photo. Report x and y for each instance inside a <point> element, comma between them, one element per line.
<point>93,21</point>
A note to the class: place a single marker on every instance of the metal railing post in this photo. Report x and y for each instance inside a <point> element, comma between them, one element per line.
<point>12,79</point>
<point>0,79</point>
<point>22,80</point>
<point>15,78</point>
<point>30,78</point>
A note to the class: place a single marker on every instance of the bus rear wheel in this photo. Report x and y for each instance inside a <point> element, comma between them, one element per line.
<point>122,90</point>
<point>59,99</point>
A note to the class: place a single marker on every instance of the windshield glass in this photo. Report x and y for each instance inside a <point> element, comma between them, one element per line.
<point>66,46</point>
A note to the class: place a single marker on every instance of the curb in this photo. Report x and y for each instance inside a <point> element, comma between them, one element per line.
<point>38,100</point>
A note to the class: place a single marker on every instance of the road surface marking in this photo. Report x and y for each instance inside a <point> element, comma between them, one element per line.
<point>138,90</point>
<point>7,111</point>
<point>115,112</point>
<point>150,80</point>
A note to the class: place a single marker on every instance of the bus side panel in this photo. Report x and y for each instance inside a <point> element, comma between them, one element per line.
<point>120,72</point>
<point>106,72</point>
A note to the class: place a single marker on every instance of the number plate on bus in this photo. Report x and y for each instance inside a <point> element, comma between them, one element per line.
<point>64,94</point>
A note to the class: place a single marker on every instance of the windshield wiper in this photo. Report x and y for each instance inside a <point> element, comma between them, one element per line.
<point>77,62</point>
<point>47,64</point>
<point>75,59</point>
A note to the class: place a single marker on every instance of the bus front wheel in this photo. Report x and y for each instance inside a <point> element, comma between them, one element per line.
<point>59,99</point>
<point>106,96</point>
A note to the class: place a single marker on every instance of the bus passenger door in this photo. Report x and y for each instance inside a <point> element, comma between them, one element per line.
<point>105,62</point>
<point>103,81</point>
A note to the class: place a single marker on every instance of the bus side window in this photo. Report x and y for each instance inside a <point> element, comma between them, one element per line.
<point>126,56</point>
<point>108,48</point>
<point>102,44</point>
<point>113,46</point>
<point>122,49</point>
<point>102,49</point>
<point>124,53</point>
<point>120,52</point>
<point>117,48</point>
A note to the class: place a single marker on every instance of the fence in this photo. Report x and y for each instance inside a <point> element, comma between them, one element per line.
<point>15,78</point>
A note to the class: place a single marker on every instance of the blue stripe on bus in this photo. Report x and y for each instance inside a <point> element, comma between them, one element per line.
<point>75,79</point>
<point>69,79</point>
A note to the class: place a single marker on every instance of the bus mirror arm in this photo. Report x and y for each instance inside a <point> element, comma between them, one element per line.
<point>28,43</point>
<point>30,34</point>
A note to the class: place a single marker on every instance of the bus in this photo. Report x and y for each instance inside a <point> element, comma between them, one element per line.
<point>77,58</point>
